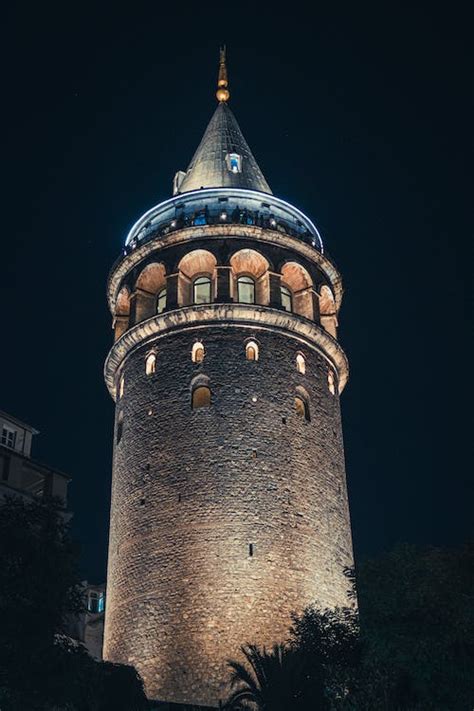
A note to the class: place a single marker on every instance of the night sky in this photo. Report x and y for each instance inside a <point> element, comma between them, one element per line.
<point>358,115</point>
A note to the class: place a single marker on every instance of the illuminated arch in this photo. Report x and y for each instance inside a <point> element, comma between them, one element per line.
<point>195,265</point>
<point>297,279</point>
<point>300,363</point>
<point>252,351</point>
<point>327,310</point>
<point>248,263</point>
<point>197,352</point>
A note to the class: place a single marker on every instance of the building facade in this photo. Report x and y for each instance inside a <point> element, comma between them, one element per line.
<point>229,502</point>
<point>20,474</point>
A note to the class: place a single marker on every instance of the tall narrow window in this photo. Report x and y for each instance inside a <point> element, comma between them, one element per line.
<point>286,298</point>
<point>301,363</point>
<point>246,290</point>
<point>201,397</point>
<point>161,301</point>
<point>331,382</point>
<point>121,387</point>
<point>302,404</point>
<point>202,290</point>
<point>251,350</point>
<point>197,353</point>
<point>119,427</point>
<point>150,364</point>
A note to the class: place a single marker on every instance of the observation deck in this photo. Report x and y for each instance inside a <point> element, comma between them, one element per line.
<point>213,206</point>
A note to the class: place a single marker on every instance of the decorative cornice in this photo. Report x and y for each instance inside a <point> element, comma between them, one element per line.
<point>193,234</point>
<point>221,315</point>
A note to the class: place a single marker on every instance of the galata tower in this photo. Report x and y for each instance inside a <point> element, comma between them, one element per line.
<point>229,502</point>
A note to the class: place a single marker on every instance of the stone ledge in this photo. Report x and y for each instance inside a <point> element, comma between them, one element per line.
<point>222,316</point>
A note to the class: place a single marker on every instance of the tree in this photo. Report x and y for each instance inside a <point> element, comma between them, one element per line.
<point>41,669</point>
<point>417,630</point>
<point>269,680</point>
<point>39,588</point>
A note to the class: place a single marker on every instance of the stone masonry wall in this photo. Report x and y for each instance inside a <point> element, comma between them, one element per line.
<point>192,489</point>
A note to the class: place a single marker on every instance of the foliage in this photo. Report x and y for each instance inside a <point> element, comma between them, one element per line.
<point>417,628</point>
<point>269,680</point>
<point>40,668</point>
<point>410,647</point>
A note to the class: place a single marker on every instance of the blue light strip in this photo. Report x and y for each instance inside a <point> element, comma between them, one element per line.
<point>237,192</point>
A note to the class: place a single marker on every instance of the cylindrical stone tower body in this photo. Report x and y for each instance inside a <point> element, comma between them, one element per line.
<point>229,504</point>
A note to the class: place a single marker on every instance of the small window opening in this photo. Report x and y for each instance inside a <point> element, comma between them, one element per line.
<point>302,408</point>
<point>301,363</point>
<point>234,162</point>
<point>150,364</point>
<point>201,397</point>
<point>286,298</point>
<point>251,351</point>
<point>142,502</point>
<point>250,550</point>
<point>161,301</point>
<point>246,290</point>
<point>8,437</point>
<point>202,290</point>
<point>121,387</point>
<point>331,382</point>
<point>197,353</point>
<point>119,427</point>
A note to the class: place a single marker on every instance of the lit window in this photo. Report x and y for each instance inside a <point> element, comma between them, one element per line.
<point>197,354</point>
<point>202,290</point>
<point>246,290</point>
<point>8,437</point>
<point>201,397</point>
<point>119,427</point>
<point>121,387</point>
<point>200,219</point>
<point>150,364</point>
<point>331,382</point>
<point>302,406</point>
<point>251,351</point>
<point>234,162</point>
<point>286,298</point>
<point>161,301</point>
<point>301,364</point>
<point>95,603</point>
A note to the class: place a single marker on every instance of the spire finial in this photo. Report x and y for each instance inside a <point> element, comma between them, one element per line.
<point>222,92</point>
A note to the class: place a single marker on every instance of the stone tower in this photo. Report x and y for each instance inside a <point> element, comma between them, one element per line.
<point>229,503</point>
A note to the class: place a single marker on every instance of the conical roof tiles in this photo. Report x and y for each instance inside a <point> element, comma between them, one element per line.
<point>210,166</point>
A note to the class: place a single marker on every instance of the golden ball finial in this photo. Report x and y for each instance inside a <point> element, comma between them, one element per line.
<point>222,94</point>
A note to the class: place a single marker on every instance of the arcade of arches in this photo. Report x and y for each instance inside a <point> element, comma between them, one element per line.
<point>248,279</point>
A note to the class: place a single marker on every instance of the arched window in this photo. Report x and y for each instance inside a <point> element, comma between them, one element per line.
<point>201,397</point>
<point>251,350</point>
<point>197,353</point>
<point>150,363</point>
<point>301,363</point>
<point>302,403</point>
<point>161,301</point>
<point>286,298</point>
<point>121,386</point>
<point>331,382</point>
<point>246,290</point>
<point>202,290</point>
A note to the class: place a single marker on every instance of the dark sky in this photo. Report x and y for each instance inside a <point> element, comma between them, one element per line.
<point>358,114</point>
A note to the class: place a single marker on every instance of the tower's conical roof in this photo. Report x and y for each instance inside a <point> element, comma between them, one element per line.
<point>211,166</point>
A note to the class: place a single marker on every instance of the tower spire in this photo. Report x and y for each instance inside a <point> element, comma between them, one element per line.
<point>222,92</point>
